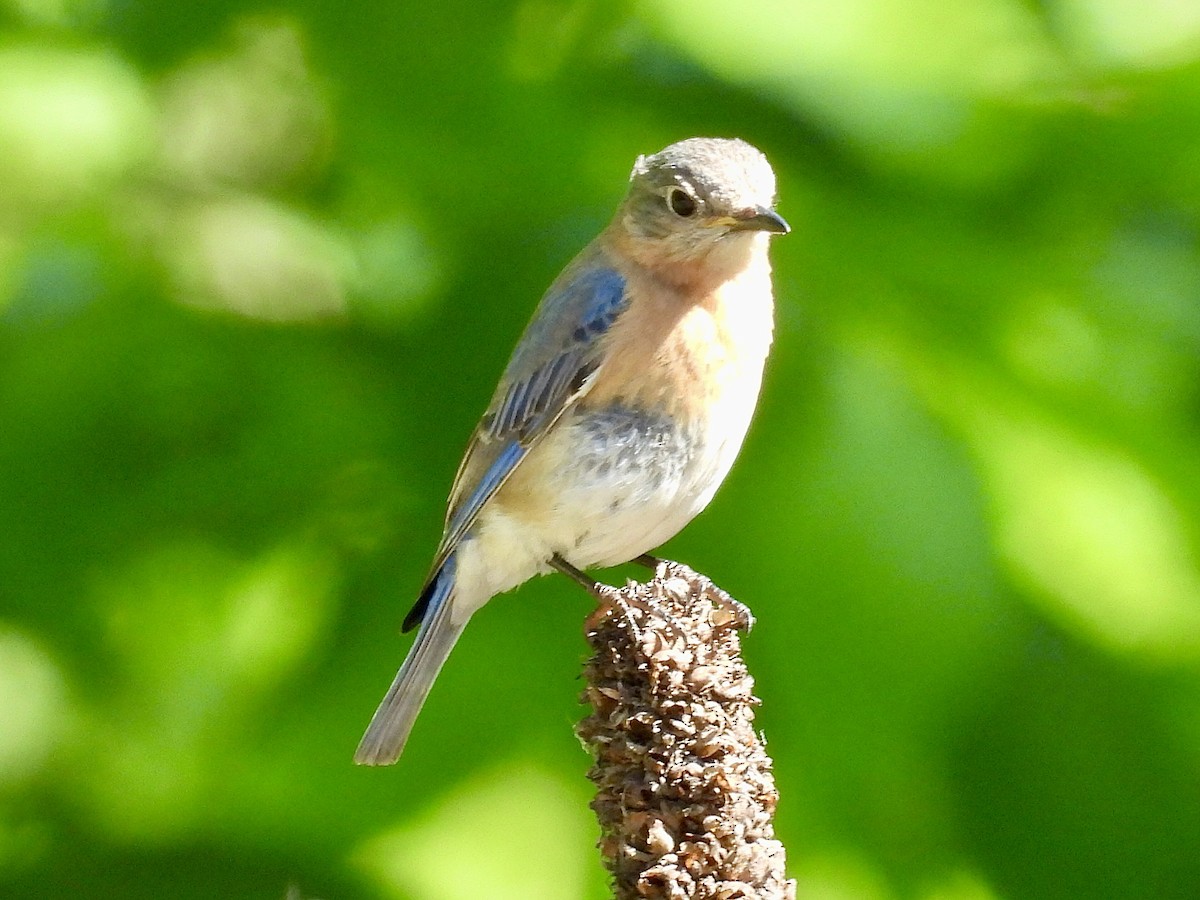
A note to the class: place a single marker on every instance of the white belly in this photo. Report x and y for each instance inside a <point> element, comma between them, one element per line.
<point>603,488</point>
<point>631,482</point>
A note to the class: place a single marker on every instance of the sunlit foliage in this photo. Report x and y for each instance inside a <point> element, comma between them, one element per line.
<point>259,269</point>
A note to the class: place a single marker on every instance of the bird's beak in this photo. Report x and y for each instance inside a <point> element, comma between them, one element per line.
<point>760,218</point>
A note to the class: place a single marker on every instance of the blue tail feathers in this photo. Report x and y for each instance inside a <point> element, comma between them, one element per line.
<point>388,732</point>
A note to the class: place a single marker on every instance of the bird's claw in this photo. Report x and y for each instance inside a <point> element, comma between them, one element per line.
<point>739,613</point>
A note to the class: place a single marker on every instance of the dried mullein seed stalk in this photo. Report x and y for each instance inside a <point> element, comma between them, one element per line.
<point>685,794</point>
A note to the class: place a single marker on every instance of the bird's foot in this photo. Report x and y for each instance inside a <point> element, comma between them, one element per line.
<point>739,613</point>
<point>608,595</point>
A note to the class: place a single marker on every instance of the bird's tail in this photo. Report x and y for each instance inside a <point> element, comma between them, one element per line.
<point>385,737</point>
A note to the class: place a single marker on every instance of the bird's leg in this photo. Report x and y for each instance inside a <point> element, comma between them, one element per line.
<point>665,568</point>
<point>607,595</point>
<point>649,560</point>
<point>580,577</point>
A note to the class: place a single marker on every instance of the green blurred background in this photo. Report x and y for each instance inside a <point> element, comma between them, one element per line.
<point>260,266</point>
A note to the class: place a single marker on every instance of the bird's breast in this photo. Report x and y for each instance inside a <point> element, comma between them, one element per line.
<point>645,449</point>
<point>696,356</point>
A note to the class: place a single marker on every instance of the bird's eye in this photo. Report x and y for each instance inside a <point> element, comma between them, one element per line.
<point>681,202</point>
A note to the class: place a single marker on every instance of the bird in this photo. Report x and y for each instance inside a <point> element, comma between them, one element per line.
<point>621,409</point>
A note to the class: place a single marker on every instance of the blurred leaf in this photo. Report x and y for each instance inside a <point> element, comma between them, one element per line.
<point>514,833</point>
<point>260,271</point>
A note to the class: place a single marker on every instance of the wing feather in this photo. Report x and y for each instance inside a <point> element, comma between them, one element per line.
<point>554,364</point>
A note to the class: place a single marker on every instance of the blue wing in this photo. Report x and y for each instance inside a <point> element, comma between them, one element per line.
<point>553,366</point>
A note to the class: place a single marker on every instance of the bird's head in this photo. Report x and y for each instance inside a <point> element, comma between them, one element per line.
<point>698,197</point>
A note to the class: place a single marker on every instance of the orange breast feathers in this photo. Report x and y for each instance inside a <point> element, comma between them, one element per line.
<point>692,355</point>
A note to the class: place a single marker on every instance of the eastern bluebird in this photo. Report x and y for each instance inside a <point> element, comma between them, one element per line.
<point>621,409</point>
